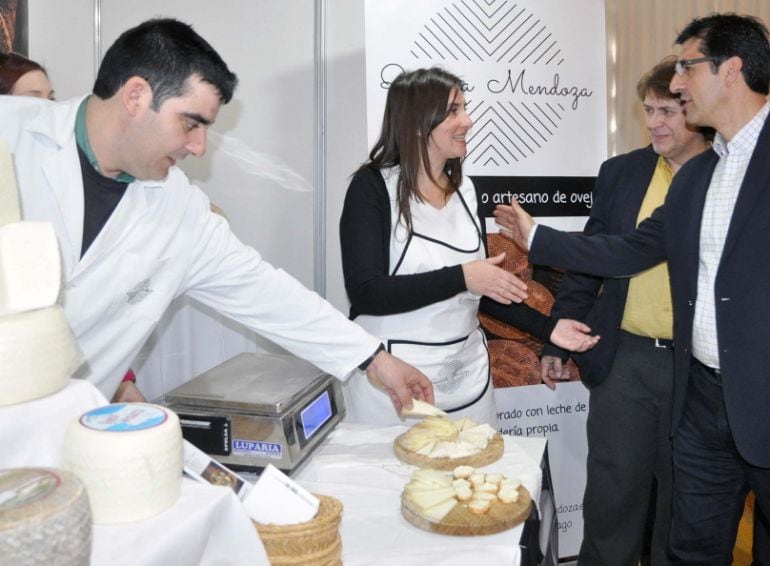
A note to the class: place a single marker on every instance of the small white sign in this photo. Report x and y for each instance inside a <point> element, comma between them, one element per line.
<point>278,500</point>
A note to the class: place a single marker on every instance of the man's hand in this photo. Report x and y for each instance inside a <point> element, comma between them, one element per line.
<point>400,380</point>
<point>552,369</point>
<point>514,222</point>
<point>128,392</point>
<point>573,336</point>
<point>484,277</point>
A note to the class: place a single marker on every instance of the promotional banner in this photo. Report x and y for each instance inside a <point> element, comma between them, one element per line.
<point>560,415</point>
<point>534,79</point>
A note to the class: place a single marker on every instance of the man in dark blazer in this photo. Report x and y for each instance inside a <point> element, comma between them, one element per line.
<point>714,230</point>
<point>630,373</point>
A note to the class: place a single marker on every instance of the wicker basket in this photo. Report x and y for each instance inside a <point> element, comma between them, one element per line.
<point>316,542</point>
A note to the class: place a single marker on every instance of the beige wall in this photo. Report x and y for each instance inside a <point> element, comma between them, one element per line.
<point>639,34</point>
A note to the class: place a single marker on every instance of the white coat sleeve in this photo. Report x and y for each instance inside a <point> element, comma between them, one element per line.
<point>232,278</point>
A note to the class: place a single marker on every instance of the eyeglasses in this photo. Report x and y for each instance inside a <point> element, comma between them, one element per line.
<point>683,64</point>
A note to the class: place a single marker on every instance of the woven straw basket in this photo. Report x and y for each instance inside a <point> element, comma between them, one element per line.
<point>314,543</point>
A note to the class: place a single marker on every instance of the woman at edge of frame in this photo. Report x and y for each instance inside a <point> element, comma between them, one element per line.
<point>415,259</point>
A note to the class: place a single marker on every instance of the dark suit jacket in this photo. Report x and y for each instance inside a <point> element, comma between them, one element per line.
<point>742,285</point>
<point>617,197</point>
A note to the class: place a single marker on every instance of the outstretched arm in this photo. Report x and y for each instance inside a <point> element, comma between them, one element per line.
<point>400,380</point>
<point>365,233</point>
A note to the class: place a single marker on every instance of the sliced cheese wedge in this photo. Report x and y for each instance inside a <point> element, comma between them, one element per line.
<point>432,477</point>
<point>424,500</point>
<point>421,409</point>
<point>438,512</point>
<point>428,448</point>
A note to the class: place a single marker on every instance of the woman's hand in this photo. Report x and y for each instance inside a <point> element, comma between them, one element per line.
<point>484,277</point>
<point>573,336</point>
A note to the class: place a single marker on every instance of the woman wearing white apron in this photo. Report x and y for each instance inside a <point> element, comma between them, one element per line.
<point>414,256</point>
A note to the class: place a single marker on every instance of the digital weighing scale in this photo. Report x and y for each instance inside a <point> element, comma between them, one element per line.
<point>259,409</point>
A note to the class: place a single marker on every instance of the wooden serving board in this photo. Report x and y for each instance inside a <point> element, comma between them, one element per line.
<point>461,521</point>
<point>492,453</point>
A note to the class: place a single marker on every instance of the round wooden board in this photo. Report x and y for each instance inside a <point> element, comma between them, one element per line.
<point>461,521</point>
<point>492,453</point>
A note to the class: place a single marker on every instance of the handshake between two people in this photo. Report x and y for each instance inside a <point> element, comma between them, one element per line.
<point>516,224</point>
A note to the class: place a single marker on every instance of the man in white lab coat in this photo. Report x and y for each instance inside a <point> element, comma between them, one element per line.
<point>134,233</point>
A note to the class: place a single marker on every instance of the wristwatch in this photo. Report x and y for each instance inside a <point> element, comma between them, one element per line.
<point>370,359</point>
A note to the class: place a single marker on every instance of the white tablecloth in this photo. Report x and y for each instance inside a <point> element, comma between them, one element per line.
<point>356,465</point>
<point>32,433</point>
<point>207,526</point>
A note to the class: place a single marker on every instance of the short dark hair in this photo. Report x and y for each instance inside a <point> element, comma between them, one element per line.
<point>731,35</point>
<point>166,53</point>
<point>12,67</point>
<point>416,104</point>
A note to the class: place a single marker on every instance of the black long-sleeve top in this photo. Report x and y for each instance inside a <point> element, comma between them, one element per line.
<point>365,232</point>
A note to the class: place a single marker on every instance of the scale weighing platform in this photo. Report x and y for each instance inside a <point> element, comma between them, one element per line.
<point>259,409</point>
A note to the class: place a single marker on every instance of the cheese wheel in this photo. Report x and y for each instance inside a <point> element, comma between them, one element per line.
<point>129,457</point>
<point>9,195</point>
<point>37,354</point>
<point>44,518</point>
<point>30,268</point>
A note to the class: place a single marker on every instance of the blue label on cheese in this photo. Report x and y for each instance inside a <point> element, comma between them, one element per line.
<point>264,449</point>
<point>124,417</point>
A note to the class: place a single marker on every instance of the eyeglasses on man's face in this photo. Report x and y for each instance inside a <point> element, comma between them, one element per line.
<point>683,65</point>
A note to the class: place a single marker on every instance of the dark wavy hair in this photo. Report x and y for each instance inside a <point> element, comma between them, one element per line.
<point>731,35</point>
<point>416,104</point>
<point>166,53</point>
<point>12,67</point>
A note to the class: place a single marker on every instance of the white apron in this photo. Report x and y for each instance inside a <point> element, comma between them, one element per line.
<point>443,340</point>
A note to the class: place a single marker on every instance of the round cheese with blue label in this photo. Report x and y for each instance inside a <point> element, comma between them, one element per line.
<point>129,456</point>
<point>44,518</point>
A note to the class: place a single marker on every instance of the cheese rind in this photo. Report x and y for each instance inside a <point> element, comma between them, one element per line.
<point>44,518</point>
<point>30,267</point>
<point>9,195</point>
<point>129,457</point>
<point>37,354</point>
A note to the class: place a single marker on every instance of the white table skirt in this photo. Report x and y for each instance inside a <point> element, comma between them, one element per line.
<point>356,464</point>
<point>32,433</point>
<point>207,525</point>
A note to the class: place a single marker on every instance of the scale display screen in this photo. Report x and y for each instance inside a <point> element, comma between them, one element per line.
<point>316,414</point>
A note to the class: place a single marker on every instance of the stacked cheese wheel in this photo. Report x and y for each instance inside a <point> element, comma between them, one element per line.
<point>433,494</point>
<point>37,349</point>
<point>129,457</point>
<point>44,518</point>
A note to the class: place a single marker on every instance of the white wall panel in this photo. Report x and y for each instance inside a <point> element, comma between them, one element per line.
<point>61,38</point>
